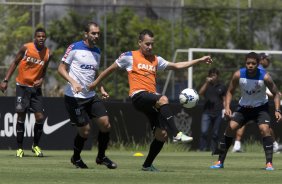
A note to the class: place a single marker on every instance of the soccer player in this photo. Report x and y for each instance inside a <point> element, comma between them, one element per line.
<point>142,66</point>
<point>79,67</point>
<point>32,62</point>
<point>253,105</point>
<point>263,64</point>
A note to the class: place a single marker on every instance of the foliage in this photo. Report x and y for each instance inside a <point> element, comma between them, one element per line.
<point>14,30</point>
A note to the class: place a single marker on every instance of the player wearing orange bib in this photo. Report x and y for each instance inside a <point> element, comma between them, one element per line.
<point>32,62</point>
<point>142,67</point>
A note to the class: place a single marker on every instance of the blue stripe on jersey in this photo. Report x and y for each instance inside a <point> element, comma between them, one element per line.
<point>260,74</point>
<point>129,53</point>
<point>80,45</point>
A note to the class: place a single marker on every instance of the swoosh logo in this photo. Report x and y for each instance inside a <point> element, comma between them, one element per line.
<point>48,129</point>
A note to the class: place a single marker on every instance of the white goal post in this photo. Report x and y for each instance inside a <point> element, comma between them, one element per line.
<point>190,52</point>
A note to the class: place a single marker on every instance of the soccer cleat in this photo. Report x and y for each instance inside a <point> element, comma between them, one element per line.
<point>181,137</point>
<point>269,167</point>
<point>20,153</point>
<point>217,165</point>
<point>150,168</point>
<point>37,151</point>
<point>107,162</point>
<point>79,164</point>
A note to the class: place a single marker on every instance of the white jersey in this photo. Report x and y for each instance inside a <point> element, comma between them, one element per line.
<point>253,89</point>
<point>83,64</point>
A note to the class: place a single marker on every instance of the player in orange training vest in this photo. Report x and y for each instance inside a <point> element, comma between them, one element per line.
<point>32,62</point>
<point>142,67</point>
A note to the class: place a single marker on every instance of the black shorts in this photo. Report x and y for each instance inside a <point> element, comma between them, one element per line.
<point>259,115</point>
<point>81,110</point>
<point>29,98</point>
<point>145,102</point>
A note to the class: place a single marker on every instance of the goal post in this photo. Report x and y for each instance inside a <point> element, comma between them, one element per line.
<point>191,51</point>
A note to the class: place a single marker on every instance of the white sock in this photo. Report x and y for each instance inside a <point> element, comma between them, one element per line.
<point>237,145</point>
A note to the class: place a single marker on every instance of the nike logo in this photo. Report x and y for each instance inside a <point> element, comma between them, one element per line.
<point>169,117</point>
<point>47,129</point>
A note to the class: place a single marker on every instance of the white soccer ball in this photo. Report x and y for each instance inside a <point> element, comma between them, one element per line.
<point>188,98</point>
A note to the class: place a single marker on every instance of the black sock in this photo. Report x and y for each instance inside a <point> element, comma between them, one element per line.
<point>155,148</point>
<point>168,118</point>
<point>38,128</point>
<point>78,146</point>
<point>20,134</point>
<point>268,148</point>
<point>224,145</point>
<point>103,140</point>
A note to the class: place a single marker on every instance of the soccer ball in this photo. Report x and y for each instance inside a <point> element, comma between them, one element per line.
<point>188,98</point>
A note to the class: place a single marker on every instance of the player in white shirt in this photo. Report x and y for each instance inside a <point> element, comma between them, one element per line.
<point>79,67</point>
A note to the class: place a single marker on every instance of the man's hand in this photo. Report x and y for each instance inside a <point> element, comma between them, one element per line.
<point>38,83</point>
<point>76,87</point>
<point>3,86</point>
<point>206,59</point>
<point>278,116</point>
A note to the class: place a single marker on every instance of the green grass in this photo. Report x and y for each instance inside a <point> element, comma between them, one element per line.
<point>176,167</point>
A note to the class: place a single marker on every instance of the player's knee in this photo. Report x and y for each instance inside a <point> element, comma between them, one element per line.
<point>161,135</point>
<point>264,130</point>
<point>104,124</point>
<point>84,131</point>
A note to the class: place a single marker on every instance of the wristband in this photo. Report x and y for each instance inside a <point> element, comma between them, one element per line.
<point>278,110</point>
<point>5,80</point>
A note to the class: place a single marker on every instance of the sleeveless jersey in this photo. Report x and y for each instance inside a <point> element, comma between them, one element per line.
<point>32,65</point>
<point>253,89</point>
<point>83,63</point>
<point>141,71</point>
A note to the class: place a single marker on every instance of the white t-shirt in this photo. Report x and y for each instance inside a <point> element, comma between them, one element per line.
<point>83,65</point>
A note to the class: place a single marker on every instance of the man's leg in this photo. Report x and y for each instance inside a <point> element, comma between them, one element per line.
<point>237,144</point>
<point>205,124</point>
<point>215,134</point>
<point>166,119</point>
<point>103,141</point>
<point>38,129</point>
<point>20,128</point>
<point>225,144</point>
<point>79,140</point>
<point>155,148</point>
<point>267,141</point>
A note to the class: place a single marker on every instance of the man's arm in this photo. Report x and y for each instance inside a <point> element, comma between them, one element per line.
<point>230,91</point>
<point>273,89</point>
<point>103,75</point>
<point>187,64</point>
<point>13,66</point>
<point>63,71</point>
<point>205,86</point>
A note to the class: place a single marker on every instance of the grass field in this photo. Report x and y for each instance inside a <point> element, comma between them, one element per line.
<point>176,167</point>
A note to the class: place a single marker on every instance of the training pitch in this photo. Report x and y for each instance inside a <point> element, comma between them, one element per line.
<point>175,167</point>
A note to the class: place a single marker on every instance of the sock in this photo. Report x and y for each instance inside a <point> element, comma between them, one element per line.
<point>155,148</point>
<point>38,128</point>
<point>20,134</point>
<point>168,119</point>
<point>78,146</point>
<point>237,145</point>
<point>103,140</point>
<point>268,148</point>
<point>224,144</point>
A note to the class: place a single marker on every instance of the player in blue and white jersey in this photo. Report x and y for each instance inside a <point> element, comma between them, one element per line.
<point>79,67</point>
<point>253,105</point>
